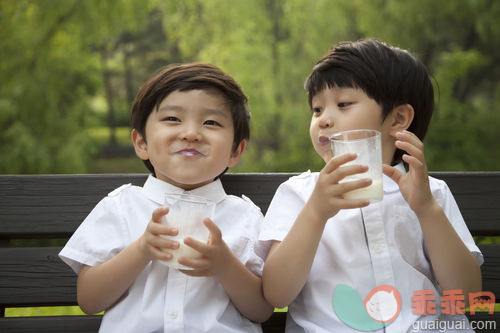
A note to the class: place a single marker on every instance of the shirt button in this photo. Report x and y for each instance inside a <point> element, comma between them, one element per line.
<point>173,314</point>
<point>379,249</point>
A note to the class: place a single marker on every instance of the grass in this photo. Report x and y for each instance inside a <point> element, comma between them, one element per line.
<point>100,135</point>
<point>76,311</point>
<point>44,311</point>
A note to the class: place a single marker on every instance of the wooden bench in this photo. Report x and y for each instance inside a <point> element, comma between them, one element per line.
<point>35,209</point>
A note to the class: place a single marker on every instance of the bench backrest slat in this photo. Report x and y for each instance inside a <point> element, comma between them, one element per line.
<point>54,205</point>
<point>24,271</point>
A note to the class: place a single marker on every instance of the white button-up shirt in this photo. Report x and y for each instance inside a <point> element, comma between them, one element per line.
<point>363,248</point>
<point>163,299</point>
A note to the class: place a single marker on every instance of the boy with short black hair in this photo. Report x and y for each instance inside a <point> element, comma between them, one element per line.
<point>190,123</point>
<point>324,245</point>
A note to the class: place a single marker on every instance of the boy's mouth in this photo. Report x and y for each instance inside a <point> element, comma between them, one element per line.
<point>323,140</point>
<point>189,152</point>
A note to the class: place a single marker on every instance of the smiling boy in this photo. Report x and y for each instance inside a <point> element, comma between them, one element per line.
<point>414,239</point>
<point>190,123</point>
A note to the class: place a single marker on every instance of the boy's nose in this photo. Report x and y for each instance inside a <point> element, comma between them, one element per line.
<point>326,121</point>
<point>190,133</point>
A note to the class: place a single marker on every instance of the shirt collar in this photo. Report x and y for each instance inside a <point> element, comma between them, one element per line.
<point>389,184</point>
<point>155,190</point>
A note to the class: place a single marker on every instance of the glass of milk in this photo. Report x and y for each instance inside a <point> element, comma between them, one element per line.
<point>367,145</point>
<point>186,213</point>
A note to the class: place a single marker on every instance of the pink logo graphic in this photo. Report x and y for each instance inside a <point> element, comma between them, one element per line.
<point>383,303</point>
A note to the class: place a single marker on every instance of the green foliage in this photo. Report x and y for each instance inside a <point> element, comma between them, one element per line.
<point>58,57</point>
<point>49,72</point>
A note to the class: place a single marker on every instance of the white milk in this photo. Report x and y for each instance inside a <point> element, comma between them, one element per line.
<point>374,192</point>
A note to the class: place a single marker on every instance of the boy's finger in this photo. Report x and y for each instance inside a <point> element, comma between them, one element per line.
<point>196,264</point>
<point>161,255</point>
<point>158,213</point>
<point>196,245</point>
<point>392,172</point>
<point>354,185</point>
<point>351,203</point>
<point>411,149</point>
<point>161,242</point>
<point>349,170</point>
<point>337,161</point>
<point>414,162</point>
<point>215,233</point>
<point>161,229</point>
<point>411,138</point>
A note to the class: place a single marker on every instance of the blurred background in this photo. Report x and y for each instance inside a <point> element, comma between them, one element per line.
<point>70,69</point>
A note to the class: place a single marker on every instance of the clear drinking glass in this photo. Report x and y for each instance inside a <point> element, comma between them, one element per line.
<point>367,145</point>
<point>186,213</point>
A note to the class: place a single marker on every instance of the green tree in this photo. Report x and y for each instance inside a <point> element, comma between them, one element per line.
<point>49,73</point>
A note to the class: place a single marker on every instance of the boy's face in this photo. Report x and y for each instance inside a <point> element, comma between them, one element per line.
<point>189,138</point>
<point>341,109</point>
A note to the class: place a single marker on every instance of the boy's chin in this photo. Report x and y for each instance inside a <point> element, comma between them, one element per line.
<point>186,183</point>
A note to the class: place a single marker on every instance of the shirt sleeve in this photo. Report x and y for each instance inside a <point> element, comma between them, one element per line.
<point>285,206</point>
<point>254,253</point>
<point>449,205</point>
<point>99,238</point>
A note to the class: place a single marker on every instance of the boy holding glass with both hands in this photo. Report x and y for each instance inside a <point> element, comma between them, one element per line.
<point>414,239</point>
<point>190,123</point>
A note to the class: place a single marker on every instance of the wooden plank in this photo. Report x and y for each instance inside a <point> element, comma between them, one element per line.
<point>478,196</point>
<point>275,324</point>
<point>491,268</point>
<point>54,205</point>
<point>60,324</point>
<point>37,277</point>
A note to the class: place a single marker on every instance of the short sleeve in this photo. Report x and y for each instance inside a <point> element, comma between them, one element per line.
<point>99,238</point>
<point>288,201</point>
<point>254,253</point>
<point>447,202</point>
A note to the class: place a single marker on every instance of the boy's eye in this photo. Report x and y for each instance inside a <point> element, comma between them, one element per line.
<point>316,110</point>
<point>171,118</point>
<point>344,104</point>
<point>211,123</point>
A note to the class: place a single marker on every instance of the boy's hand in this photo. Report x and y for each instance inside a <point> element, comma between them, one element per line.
<point>327,198</point>
<point>414,185</point>
<point>215,253</point>
<point>151,242</point>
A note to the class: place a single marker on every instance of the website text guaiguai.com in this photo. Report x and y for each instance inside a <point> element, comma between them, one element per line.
<point>443,326</point>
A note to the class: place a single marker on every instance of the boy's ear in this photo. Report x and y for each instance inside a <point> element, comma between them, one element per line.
<point>140,145</point>
<point>235,156</point>
<point>401,118</point>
